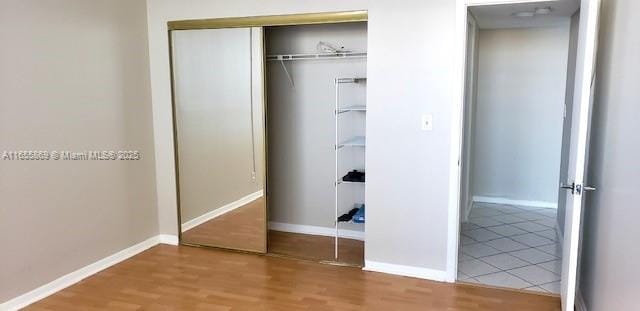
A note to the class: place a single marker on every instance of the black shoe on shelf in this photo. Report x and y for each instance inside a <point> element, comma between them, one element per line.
<point>348,216</point>
<point>352,212</point>
<point>354,176</point>
<point>344,218</point>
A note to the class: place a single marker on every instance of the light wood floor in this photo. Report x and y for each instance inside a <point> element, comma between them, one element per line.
<point>315,247</point>
<point>188,278</point>
<point>243,228</point>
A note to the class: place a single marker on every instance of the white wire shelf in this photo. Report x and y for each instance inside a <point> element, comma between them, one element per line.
<point>338,55</point>
<point>351,80</point>
<point>362,108</point>
<point>357,141</point>
<point>350,222</point>
<point>339,182</point>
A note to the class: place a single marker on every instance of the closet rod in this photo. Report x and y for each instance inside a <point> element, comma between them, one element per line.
<point>338,55</point>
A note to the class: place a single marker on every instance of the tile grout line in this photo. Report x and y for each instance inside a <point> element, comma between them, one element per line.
<point>509,253</point>
<point>509,237</point>
<point>508,272</point>
<point>512,225</point>
<point>518,250</point>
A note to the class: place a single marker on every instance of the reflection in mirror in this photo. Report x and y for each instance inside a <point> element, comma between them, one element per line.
<point>219,131</point>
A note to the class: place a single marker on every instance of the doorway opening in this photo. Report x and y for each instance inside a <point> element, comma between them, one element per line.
<point>519,83</point>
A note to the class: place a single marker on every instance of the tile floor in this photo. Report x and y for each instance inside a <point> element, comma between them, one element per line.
<point>511,246</point>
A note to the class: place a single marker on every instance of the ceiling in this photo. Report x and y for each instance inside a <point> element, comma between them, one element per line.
<point>501,16</point>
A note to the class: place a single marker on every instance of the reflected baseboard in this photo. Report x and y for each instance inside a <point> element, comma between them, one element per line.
<point>316,230</point>
<point>221,210</point>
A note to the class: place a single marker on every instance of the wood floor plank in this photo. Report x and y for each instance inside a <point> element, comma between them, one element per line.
<point>188,278</point>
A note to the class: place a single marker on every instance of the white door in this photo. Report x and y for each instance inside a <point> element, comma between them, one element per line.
<point>579,143</point>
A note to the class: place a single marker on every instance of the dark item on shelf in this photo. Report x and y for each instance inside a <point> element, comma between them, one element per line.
<point>347,217</point>
<point>359,216</point>
<point>354,176</point>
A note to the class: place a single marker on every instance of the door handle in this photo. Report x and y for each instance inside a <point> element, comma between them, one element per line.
<point>571,187</point>
<point>577,188</point>
<point>568,187</point>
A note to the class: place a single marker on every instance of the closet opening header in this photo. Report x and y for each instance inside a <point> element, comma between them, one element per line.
<point>271,20</point>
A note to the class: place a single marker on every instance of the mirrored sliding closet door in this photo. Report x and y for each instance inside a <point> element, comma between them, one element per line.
<point>219,133</point>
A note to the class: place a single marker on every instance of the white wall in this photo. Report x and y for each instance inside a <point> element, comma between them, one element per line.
<point>610,256</point>
<point>411,56</point>
<point>518,121</point>
<point>74,76</point>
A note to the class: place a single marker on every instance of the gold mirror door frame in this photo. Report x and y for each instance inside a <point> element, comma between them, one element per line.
<point>231,218</point>
<point>270,20</point>
<point>219,137</point>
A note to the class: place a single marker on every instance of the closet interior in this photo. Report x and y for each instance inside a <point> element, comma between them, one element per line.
<point>316,120</point>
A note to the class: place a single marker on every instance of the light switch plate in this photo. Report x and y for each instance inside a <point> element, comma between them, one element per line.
<point>427,122</point>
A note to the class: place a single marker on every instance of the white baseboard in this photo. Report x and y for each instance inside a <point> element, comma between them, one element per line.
<point>168,239</point>
<point>78,275</point>
<point>316,230</point>
<point>499,200</point>
<point>221,210</point>
<point>410,271</point>
<point>580,304</point>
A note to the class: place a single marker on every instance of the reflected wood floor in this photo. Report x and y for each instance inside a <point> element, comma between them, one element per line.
<point>243,228</point>
<point>188,278</point>
<point>316,247</point>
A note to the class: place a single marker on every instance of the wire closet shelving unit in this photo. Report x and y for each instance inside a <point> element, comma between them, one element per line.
<point>355,141</point>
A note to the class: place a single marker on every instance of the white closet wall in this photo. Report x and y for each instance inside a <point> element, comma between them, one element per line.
<point>301,134</point>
